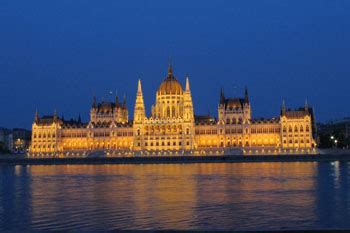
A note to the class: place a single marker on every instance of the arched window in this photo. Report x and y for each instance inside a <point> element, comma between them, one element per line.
<point>187,131</point>
<point>301,129</point>
<point>296,129</point>
<point>173,111</point>
<point>168,111</point>
<point>234,121</point>
<point>307,129</point>
<point>228,121</point>
<point>138,132</point>
<point>290,129</point>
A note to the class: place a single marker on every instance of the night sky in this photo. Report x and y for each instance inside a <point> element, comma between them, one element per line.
<point>59,54</point>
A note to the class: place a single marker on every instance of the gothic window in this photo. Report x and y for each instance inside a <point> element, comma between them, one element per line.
<point>138,132</point>
<point>284,129</point>
<point>234,121</point>
<point>307,129</point>
<point>173,111</point>
<point>168,111</point>
<point>290,129</point>
<point>301,129</point>
<point>296,129</point>
<point>187,131</point>
<point>227,121</point>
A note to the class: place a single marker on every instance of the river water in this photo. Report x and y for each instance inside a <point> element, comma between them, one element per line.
<point>207,196</point>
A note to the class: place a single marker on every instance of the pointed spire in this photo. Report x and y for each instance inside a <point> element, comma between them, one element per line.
<point>170,72</point>
<point>94,105</point>
<point>116,101</point>
<point>222,96</point>
<point>170,69</point>
<point>79,119</point>
<point>306,105</point>
<point>139,87</point>
<point>124,101</point>
<point>36,117</point>
<point>283,107</point>
<point>246,96</point>
<point>187,84</point>
<point>55,115</point>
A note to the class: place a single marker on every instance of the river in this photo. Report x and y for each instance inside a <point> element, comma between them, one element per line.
<point>206,196</point>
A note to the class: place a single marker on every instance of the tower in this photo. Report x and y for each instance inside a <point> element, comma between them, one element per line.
<point>247,114</point>
<point>139,117</point>
<point>189,124</point>
<point>221,107</point>
<point>188,104</point>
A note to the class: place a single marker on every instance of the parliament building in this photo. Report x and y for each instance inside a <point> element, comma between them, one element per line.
<point>173,128</point>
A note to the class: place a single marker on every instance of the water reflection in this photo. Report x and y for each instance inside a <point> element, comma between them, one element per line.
<point>242,196</point>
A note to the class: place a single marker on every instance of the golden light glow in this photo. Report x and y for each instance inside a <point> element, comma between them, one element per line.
<point>173,128</point>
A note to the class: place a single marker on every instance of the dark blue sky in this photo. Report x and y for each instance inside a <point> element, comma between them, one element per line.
<point>58,54</point>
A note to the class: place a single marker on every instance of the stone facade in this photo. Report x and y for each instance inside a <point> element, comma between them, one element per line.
<point>173,126</point>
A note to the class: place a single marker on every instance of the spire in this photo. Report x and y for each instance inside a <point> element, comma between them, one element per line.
<point>116,99</point>
<point>79,119</point>
<point>187,84</point>
<point>55,115</point>
<point>139,110</point>
<point>170,72</point>
<point>36,117</point>
<point>306,105</point>
<point>139,87</point>
<point>170,69</point>
<point>222,96</point>
<point>283,107</point>
<point>124,101</point>
<point>246,96</point>
<point>62,117</point>
<point>94,105</point>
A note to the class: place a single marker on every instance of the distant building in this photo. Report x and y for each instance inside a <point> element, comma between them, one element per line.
<point>334,133</point>
<point>14,140</point>
<point>5,140</point>
<point>173,126</point>
<point>20,140</point>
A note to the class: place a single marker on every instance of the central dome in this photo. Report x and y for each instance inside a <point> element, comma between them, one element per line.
<point>170,86</point>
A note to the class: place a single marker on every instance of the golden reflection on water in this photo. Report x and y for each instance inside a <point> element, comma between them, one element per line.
<point>170,196</point>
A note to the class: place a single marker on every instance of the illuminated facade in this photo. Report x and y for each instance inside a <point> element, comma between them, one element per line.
<point>172,126</point>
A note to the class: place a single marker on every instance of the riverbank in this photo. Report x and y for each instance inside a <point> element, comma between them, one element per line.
<point>178,159</point>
